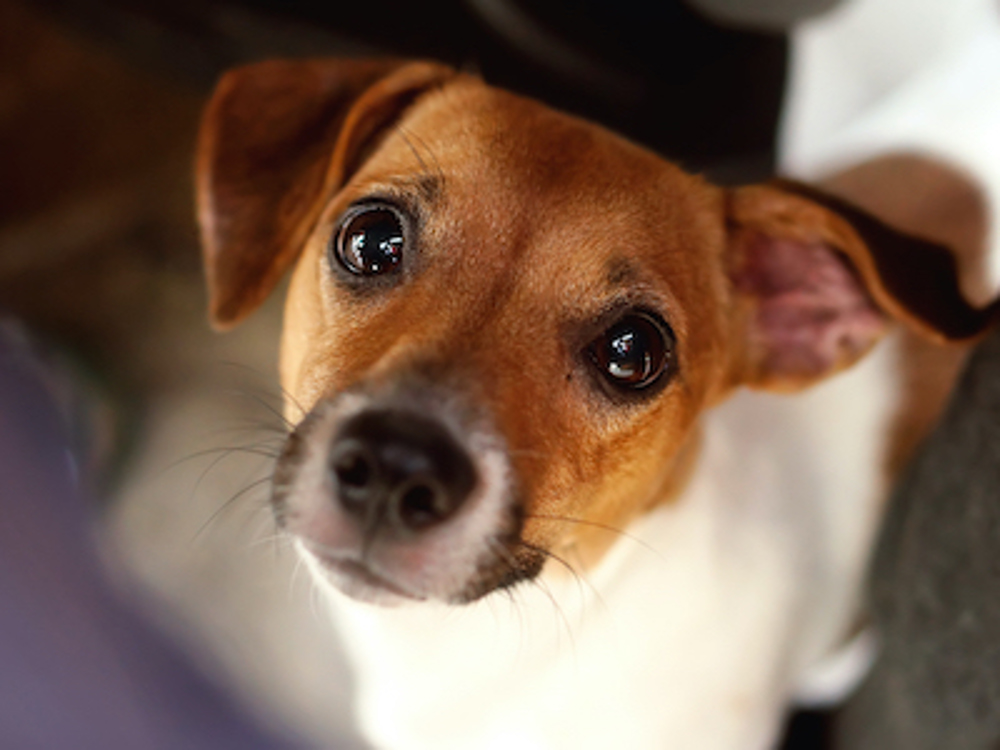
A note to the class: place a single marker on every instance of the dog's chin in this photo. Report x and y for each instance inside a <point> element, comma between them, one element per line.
<point>361,582</point>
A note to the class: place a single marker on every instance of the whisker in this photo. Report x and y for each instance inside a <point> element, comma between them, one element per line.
<point>507,557</point>
<point>315,600</point>
<point>416,154</point>
<point>406,135</point>
<point>508,591</point>
<point>288,424</point>
<point>253,449</point>
<point>266,523</point>
<point>294,577</point>
<point>548,554</point>
<point>579,578</point>
<point>597,525</point>
<point>228,504</point>
<point>269,382</point>
<point>224,453</point>
<point>564,619</point>
<point>276,539</point>
<point>250,425</point>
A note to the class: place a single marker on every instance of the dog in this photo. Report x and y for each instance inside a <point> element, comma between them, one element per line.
<point>567,455</point>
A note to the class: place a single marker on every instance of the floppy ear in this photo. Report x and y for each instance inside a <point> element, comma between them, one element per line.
<point>817,282</point>
<point>277,139</point>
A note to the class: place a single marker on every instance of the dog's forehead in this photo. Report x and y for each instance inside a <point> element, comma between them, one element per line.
<point>529,156</point>
<point>519,183</point>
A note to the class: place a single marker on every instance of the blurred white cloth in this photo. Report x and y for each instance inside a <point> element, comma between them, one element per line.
<point>874,77</point>
<point>878,77</point>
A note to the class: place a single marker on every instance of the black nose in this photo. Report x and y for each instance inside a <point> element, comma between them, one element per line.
<point>399,471</point>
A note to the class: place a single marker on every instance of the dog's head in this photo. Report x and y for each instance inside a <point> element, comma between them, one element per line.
<point>504,322</point>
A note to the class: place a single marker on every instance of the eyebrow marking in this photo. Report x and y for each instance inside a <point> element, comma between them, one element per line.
<point>621,272</point>
<point>412,190</point>
<point>429,187</point>
<point>409,137</point>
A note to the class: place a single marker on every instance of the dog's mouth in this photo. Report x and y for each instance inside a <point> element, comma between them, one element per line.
<point>357,578</point>
<point>361,580</point>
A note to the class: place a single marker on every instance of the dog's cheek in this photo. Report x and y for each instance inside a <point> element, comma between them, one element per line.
<point>592,492</point>
<point>324,342</point>
<point>302,321</point>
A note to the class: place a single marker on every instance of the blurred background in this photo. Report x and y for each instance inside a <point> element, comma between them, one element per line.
<point>174,426</point>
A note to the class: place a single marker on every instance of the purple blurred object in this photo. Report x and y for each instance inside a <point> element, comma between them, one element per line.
<point>78,668</point>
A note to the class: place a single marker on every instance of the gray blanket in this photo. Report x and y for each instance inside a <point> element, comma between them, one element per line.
<point>936,587</point>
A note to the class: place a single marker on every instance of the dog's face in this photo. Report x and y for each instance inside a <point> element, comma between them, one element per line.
<point>504,322</point>
<point>534,344</point>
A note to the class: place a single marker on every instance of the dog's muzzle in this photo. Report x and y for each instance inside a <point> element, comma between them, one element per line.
<point>401,498</point>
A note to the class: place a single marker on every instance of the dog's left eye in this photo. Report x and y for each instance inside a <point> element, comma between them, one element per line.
<point>370,240</point>
<point>635,352</point>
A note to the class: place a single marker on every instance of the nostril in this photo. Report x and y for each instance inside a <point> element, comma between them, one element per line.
<point>356,474</point>
<point>422,503</point>
<point>353,469</point>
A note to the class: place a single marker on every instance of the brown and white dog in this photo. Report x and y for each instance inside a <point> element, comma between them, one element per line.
<point>541,380</point>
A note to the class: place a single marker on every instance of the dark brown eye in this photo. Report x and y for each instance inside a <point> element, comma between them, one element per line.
<point>370,241</point>
<point>633,353</point>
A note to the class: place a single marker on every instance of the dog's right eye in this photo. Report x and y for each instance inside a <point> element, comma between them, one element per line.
<point>635,353</point>
<point>370,240</point>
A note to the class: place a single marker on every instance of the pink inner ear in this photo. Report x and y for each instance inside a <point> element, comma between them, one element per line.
<point>813,314</point>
